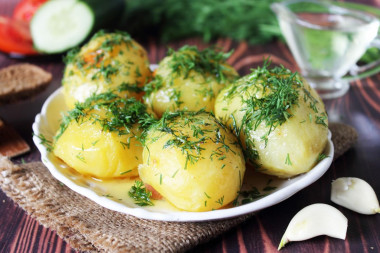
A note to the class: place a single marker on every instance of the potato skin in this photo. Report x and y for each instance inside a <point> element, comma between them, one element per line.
<point>193,161</point>
<point>294,144</point>
<point>189,79</point>
<point>109,61</point>
<point>99,137</point>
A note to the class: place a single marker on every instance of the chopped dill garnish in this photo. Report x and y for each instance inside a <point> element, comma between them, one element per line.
<point>249,196</point>
<point>187,63</point>
<point>71,55</point>
<point>253,194</point>
<point>125,144</point>
<point>321,157</point>
<point>80,156</point>
<point>269,97</point>
<point>176,97</point>
<point>175,173</point>
<point>137,72</point>
<point>140,194</point>
<point>287,160</point>
<point>269,188</point>
<point>98,63</point>
<point>129,87</point>
<point>48,144</point>
<point>205,62</point>
<point>113,113</point>
<point>125,172</point>
<point>220,201</point>
<point>192,141</point>
<point>321,119</point>
<point>106,71</point>
<point>279,94</point>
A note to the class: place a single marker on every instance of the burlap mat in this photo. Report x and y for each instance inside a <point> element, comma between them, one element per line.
<point>87,226</point>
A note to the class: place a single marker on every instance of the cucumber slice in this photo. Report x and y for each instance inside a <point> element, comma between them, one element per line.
<point>59,25</point>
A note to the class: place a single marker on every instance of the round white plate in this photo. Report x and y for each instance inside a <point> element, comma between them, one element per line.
<point>274,189</point>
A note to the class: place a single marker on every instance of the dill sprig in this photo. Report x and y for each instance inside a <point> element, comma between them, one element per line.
<point>140,194</point>
<point>113,113</point>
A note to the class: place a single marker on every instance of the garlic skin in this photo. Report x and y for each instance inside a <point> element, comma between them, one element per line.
<point>355,194</point>
<point>314,220</point>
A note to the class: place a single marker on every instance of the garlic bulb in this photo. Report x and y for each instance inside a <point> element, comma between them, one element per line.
<point>314,220</point>
<point>355,194</point>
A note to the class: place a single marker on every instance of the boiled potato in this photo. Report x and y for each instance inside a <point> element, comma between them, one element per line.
<point>109,61</point>
<point>189,79</point>
<point>99,137</point>
<point>193,161</point>
<point>280,119</point>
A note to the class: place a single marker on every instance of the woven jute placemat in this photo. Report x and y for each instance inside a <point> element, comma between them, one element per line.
<point>87,226</point>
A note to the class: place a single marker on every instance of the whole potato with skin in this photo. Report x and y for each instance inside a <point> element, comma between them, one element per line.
<point>280,119</point>
<point>193,161</point>
<point>188,79</point>
<point>109,61</point>
<point>99,138</point>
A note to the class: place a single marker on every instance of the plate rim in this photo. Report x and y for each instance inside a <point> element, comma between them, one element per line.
<point>182,216</point>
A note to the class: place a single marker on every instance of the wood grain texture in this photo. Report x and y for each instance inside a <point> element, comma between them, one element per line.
<point>360,108</point>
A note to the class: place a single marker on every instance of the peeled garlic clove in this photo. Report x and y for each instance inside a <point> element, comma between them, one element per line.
<point>315,220</point>
<point>355,194</point>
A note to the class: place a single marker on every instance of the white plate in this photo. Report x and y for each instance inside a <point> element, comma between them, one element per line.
<point>47,123</point>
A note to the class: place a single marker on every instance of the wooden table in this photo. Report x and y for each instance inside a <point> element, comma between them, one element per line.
<point>360,108</point>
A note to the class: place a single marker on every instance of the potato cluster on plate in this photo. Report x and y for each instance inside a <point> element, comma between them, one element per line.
<point>188,129</point>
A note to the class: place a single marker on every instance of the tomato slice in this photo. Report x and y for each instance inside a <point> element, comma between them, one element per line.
<point>25,9</point>
<point>15,37</point>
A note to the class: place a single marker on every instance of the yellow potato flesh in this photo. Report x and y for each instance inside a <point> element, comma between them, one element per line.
<point>293,147</point>
<point>192,92</point>
<point>90,150</point>
<point>211,182</point>
<point>98,68</point>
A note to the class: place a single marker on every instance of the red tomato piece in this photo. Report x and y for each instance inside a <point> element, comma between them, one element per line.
<point>25,9</point>
<point>15,37</point>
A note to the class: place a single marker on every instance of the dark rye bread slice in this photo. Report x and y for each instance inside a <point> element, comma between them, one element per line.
<point>11,143</point>
<point>21,81</point>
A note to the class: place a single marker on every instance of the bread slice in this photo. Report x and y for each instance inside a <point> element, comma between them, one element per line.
<point>21,81</point>
<point>11,143</point>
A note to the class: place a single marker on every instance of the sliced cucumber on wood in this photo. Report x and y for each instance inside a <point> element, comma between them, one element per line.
<point>59,25</point>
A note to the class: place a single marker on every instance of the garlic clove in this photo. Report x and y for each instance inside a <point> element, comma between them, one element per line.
<point>314,220</point>
<point>355,194</point>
